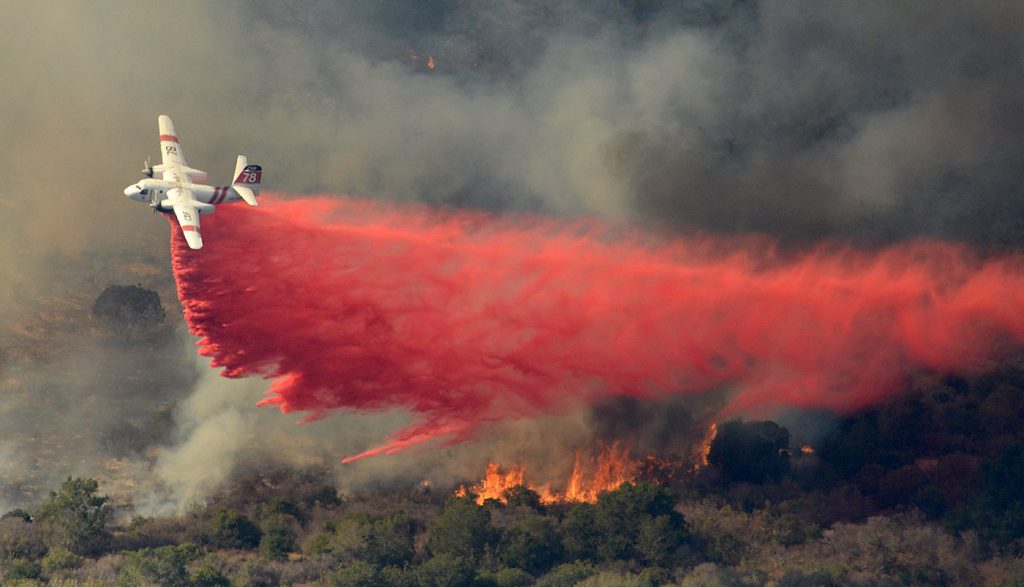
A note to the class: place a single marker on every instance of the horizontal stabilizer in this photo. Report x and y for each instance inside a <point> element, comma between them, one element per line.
<point>246,193</point>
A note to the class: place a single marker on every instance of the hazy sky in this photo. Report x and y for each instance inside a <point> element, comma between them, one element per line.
<point>800,119</point>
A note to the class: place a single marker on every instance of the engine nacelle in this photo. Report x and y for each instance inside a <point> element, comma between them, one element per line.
<point>148,172</point>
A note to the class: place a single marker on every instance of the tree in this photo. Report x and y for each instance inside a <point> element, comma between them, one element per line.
<point>233,530</point>
<point>751,452</point>
<point>997,513</point>
<point>382,540</point>
<point>77,516</point>
<point>581,532</point>
<point>627,518</point>
<point>389,539</point>
<point>532,544</point>
<point>461,528</point>
<point>129,311</point>
<point>521,495</point>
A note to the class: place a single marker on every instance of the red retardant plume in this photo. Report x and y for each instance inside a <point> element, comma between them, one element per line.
<point>468,319</point>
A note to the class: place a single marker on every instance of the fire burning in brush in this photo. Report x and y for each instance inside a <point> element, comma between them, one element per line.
<point>610,468</point>
<point>607,470</point>
<point>704,449</point>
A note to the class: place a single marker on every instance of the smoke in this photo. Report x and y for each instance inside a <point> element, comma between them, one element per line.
<point>804,121</point>
<point>215,430</point>
<point>466,320</point>
<point>801,119</point>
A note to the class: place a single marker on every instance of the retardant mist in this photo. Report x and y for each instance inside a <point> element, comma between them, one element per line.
<point>467,319</point>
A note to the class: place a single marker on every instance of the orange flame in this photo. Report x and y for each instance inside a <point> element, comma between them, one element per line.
<point>431,64</point>
<point>609,469</point>
<point>807,449</point>
<point>705,447</point>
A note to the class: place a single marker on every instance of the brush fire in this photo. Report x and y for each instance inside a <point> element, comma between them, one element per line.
<point>608,469</point>
<point>593,472</point>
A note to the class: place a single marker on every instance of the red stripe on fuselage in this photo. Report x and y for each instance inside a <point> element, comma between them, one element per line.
<point>190,227</point>
<point>171,138</point>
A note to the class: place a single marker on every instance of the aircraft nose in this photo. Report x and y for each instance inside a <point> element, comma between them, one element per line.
<point>132,190</point>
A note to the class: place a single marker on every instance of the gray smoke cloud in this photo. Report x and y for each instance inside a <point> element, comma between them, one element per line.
<point>805,120</point>
<point>219,434</point>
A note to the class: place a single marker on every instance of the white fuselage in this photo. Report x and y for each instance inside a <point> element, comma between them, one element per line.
<point>162,194</point>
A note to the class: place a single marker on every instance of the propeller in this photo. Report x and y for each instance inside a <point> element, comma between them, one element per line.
<point>147,169</point>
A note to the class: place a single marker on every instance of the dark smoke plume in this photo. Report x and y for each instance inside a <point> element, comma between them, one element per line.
<point>466,319</point>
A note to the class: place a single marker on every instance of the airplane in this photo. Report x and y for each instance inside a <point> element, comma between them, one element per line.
<point>169,188</point>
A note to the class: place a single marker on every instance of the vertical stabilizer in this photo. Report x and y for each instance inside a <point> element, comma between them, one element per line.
<point>247,180</point>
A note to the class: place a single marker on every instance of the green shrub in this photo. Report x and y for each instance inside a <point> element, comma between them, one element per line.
<point>638,521</point>
<point>445,570</point>
<point>19,539</point>
<point>512,578</point>
<point>566,575</point>
<point>211,573</point>
<point>282,506</point>
<point>521,495</point>
<point>462,528</point>
<point>581,534</point>
<point>382,540</point>
<point>17,514</point>
<point>532,544</point>
<point>61,559</point>
<point>233,530</point>
<point>165,566</point>
<point>257,573</point>
<point>751,452</point>
<point>656,576</point>
<point>355,574</point>
<point>397,577</point>
<point>20,569</point>
<point>130,311</point>
<point>277,541</point>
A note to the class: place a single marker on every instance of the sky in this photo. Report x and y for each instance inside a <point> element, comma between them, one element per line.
<point>806,121</point>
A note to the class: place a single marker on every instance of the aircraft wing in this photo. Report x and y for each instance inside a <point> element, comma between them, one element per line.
<point>188,220</point>
<point>173,159</point>
<point>170,150</point>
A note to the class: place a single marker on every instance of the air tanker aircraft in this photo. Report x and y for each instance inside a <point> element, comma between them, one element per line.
<point>168,187</point>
